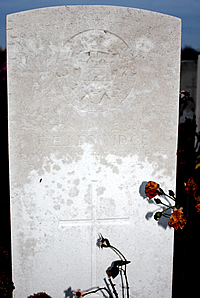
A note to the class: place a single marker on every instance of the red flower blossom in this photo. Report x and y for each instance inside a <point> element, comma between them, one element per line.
<point>198,207</point>
<point>152,189</point>
<point>177,219</point>
<point>191,187</point>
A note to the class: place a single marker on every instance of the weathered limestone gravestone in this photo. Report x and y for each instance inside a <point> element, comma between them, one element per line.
<point>93,101</point>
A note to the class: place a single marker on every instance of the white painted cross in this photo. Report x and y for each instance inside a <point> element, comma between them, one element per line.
<point>95,223</point>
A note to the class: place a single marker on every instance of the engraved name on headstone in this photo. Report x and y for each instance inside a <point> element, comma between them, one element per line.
<point>93,101</point>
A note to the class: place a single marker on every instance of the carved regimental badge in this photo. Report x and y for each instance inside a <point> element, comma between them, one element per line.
<point>95,70</point>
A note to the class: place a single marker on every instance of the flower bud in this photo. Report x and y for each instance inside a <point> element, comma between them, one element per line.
<point>171,193</point>
<point>158,201</point>
<point>157,215</point>
<point>160,191</point>
<point>104,242</point>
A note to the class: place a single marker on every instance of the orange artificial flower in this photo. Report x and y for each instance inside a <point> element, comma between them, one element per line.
<point>177,219</point>
<point>152,189</point>
<point>78,294</point>
<point>191,187</point>
<point>198,207</point>
<point>198,199</point>
<point>40,295</point>
<point>104,242</point>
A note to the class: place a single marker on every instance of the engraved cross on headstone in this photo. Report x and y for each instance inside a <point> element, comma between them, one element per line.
<point>94,222</point>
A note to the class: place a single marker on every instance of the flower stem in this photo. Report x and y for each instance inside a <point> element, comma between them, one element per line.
<point>174,199</point>
<point>167,205</point>
<point>187,213</point>
<point>113,288</point>
<point>125,275</point>
<point>167,209</point>
<point>117,250</point>
<point>99,289</point>
<point>127,285</point>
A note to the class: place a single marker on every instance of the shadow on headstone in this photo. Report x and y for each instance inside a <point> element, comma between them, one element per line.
<point>98,243</point>
<point>142,189</point>
<point>69,293</point>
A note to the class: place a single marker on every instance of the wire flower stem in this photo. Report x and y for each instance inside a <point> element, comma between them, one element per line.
<point>167,205</point>
<point>113,288</point>
<point>170,207</point>
<point>125,275</point>
<point>94,291</point>
<point>174,199</point>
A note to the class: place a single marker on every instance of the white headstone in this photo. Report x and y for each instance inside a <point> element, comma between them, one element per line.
<point>93,103</point>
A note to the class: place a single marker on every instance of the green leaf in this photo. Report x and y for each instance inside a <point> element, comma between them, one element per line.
<point>120,263</point>
<point>113,270</point>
